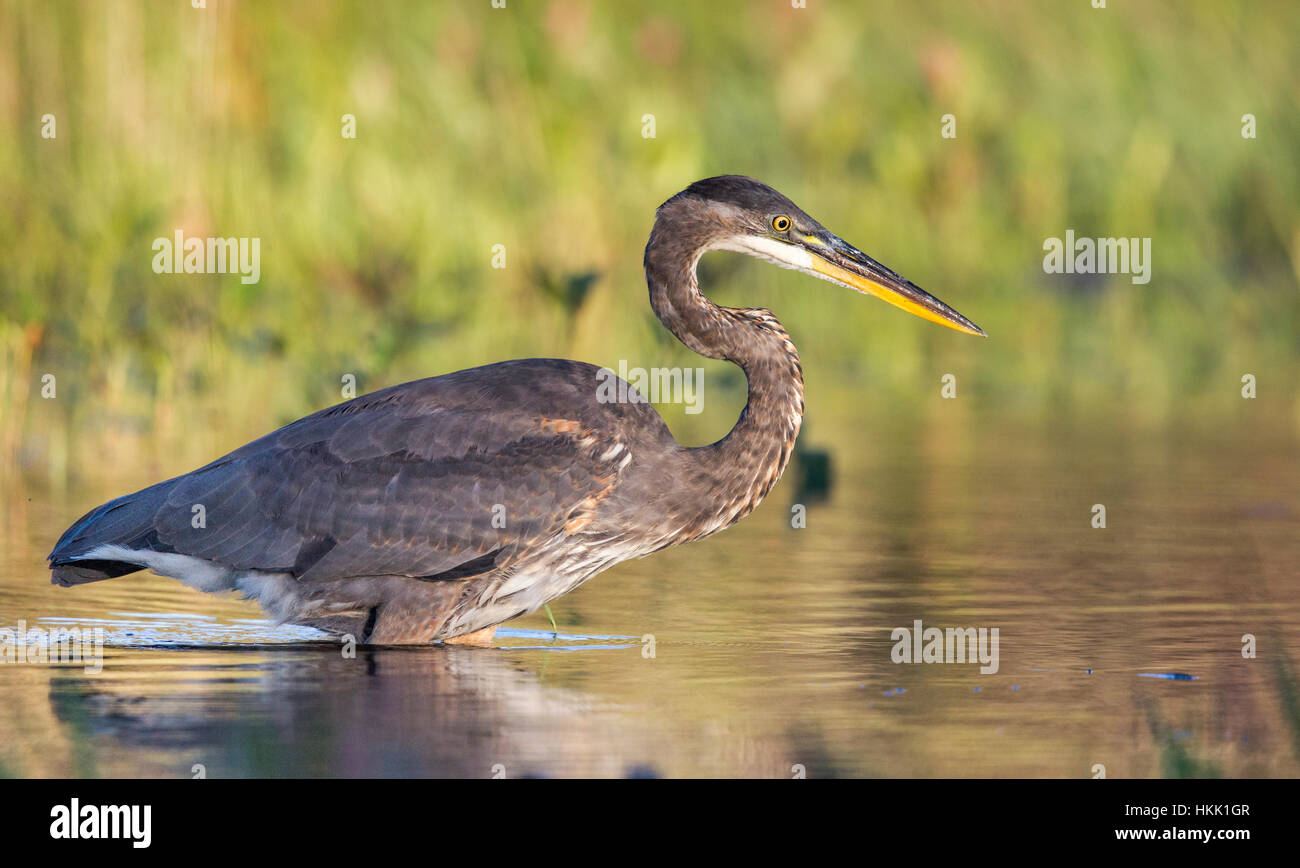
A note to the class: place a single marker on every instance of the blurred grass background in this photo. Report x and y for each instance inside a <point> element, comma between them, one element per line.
<point>523,127</point>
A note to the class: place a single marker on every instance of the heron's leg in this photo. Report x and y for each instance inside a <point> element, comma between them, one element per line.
<point>480,638</point>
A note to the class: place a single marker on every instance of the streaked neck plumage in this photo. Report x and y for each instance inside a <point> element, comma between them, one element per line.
<point>742,467</point>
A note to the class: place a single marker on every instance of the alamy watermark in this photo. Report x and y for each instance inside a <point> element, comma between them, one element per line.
<point>181,255</point>
<point>1098,256</point>
<point>74,820</point>
<point>653,386</point>
<point>953,645</point>
<point>58,645</point>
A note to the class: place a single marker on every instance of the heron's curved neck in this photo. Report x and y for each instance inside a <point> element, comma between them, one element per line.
<point>743,466</point>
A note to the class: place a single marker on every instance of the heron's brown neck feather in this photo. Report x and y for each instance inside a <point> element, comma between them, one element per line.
<point>742,467</point>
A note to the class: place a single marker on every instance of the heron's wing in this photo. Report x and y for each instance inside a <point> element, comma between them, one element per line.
<point>388,487</point>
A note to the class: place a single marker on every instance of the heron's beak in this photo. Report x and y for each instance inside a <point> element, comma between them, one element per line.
<point>838,261</point>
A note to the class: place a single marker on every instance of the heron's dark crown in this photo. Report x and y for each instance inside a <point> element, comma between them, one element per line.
<point>742,193</point>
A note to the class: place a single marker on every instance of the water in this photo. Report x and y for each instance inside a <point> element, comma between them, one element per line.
<point>765,651</point>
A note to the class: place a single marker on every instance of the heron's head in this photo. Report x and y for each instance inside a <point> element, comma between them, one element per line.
<point>732,212</point>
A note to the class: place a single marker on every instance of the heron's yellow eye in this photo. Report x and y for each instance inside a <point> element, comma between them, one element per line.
<point>780,224</point>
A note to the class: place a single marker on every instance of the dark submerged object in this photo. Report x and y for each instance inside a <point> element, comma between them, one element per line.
<point>440,508</point>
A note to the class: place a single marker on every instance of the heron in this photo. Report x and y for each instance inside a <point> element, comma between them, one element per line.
<point>436,510</point>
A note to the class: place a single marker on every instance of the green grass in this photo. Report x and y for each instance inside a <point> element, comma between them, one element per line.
<point>523,127</point>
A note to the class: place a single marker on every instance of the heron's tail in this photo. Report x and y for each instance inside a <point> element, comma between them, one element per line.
<point>117,527</point>
<point>86,571</point>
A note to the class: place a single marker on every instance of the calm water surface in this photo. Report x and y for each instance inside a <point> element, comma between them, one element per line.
<point>760,650</point>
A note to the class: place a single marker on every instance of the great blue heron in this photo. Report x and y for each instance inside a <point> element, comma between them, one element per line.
<point>438,509</point>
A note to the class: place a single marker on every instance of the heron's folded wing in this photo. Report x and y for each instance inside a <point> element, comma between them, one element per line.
<point>390,490</point>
